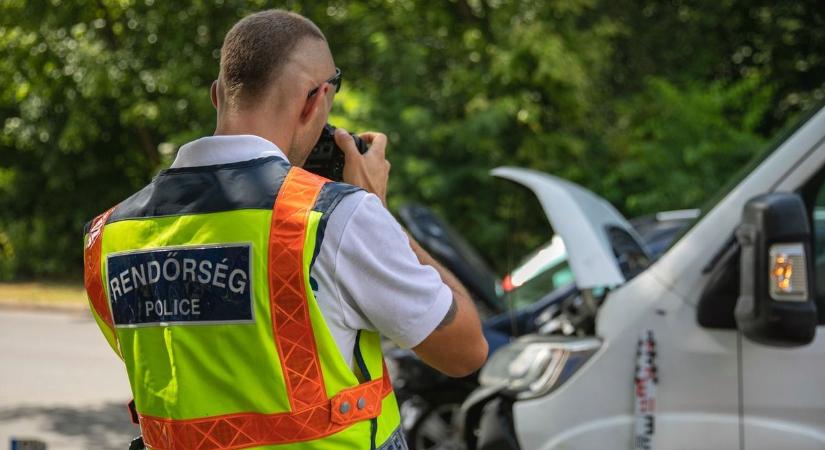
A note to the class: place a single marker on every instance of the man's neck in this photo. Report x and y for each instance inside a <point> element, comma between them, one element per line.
<point>250,124</point>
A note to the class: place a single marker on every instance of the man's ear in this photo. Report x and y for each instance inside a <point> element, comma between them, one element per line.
<point>314,104</point>
<point>213,93</point>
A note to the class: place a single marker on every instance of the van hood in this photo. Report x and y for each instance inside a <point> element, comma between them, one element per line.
<point>603,249</point>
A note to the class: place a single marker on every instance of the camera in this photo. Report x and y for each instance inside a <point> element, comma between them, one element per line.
<point>326,158</point>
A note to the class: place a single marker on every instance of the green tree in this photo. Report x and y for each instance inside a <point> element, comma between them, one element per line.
<point>647,103</point>
<point>462,87</point>
<point>93,93</point>
<point>672,147</point>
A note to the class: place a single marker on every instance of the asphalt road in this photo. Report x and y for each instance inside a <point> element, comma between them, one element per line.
<point>60,382</point>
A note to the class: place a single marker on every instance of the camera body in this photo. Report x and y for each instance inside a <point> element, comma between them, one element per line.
<point>326,159</point>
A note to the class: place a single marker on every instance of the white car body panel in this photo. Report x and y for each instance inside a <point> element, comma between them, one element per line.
<point>697,397</point>
<point>594,409</point>
<point>581,218</point>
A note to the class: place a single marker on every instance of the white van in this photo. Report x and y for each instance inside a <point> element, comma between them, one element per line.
<point>714,346</point>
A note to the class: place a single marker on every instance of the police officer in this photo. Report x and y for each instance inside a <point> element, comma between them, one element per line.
<point>245,295</point>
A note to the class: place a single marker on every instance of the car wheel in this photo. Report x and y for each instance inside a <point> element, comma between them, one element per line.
<point>436,430</point>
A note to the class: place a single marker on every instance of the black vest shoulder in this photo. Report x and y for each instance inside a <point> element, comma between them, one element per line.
<point>252,184</point>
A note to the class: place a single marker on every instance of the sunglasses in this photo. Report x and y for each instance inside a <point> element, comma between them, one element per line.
<point>335,81</point>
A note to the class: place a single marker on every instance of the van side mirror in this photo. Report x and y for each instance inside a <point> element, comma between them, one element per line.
<point>776,298</point>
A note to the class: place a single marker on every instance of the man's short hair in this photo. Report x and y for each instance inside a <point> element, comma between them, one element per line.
<point>256,49</point>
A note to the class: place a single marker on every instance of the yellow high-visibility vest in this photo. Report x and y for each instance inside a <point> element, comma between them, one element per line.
<point>201,284</point>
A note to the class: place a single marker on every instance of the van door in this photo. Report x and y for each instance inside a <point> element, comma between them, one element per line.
<point>783,392</point>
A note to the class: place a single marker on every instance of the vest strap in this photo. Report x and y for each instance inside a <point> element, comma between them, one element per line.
<point>291,323</point>
<point>243,430</point>
<point>91,275</point>
<point>360,402</point>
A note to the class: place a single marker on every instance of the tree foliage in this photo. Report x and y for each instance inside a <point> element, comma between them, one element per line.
<point>648,103</point>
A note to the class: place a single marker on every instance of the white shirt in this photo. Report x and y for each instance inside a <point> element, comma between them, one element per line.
<point>368,276</point>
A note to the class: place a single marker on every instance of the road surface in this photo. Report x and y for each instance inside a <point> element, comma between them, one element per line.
<point>60,382</point>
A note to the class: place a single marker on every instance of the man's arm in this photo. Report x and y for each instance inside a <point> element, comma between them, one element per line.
<point>457,346</point>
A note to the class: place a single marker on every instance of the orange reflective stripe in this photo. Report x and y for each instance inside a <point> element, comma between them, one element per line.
<point>360,402</point>
<point>287,289</point>
<point>91,269</point>
<point>235,431</point>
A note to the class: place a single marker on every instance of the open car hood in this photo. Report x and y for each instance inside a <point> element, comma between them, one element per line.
<point>603,249</point>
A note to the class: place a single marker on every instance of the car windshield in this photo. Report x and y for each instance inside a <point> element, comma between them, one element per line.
<point>542,271</point>
<point>758,158</point>
<point>546,268</point>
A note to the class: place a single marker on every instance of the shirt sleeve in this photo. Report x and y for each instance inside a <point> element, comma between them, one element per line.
<point>380,282</point>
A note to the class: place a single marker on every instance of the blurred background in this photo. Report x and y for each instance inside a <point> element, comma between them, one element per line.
<point>652,105</point>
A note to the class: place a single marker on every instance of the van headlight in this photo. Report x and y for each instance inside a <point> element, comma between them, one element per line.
<point>536,365</point>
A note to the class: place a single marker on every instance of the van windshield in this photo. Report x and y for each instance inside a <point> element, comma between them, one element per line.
<point>760,156</point>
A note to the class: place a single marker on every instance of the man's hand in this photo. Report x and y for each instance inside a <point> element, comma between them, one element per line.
<point>371,170</point>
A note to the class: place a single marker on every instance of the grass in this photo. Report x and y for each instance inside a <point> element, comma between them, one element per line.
<point>36,294</point>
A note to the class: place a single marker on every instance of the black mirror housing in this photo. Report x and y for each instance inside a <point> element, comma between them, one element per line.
<point>776,301</point>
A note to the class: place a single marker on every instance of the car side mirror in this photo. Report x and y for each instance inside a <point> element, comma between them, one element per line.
<point>776,298</point>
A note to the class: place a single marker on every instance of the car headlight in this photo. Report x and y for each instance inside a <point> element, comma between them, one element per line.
<point>536,365</point>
